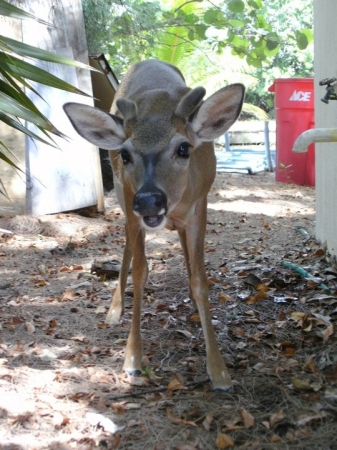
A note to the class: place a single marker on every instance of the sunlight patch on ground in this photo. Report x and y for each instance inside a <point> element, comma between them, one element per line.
<point>269,209</point>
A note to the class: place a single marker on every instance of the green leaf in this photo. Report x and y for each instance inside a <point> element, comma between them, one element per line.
<point>17,67</point>
<point>261,21</point>
<point>255,4</point>
<point>211,16</point>
<point>6,9</point>
<point>3,190</point>
<point>302,40</point>
<point>236,23</point>
<point>18,126</point>
<point>236,6</point>
<point>272,41</point>
<point>304,37</point>
<point>9,105</point>
<point>13,90</point>
<point>239,42</point>
<point>201,31</point>
<point>191,19</point>
<point>20,48</point>
<point>255,62</point>
<point>18,94</point>
<point>6,159</point>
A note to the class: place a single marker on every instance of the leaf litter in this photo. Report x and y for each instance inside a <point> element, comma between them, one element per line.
<point>61,379</point>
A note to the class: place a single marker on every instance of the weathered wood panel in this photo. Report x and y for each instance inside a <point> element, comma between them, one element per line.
<point>69,177</point>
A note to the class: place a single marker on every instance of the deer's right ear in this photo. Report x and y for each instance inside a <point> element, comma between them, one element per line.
<point>98,127</point>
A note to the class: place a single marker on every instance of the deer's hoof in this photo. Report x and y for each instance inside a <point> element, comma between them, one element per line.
<point>113,317</point>
<point>133,372</point>
<point>221,382</point>
<point>226,390</point>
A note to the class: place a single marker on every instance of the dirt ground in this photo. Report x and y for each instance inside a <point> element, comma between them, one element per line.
<point>273,296</point>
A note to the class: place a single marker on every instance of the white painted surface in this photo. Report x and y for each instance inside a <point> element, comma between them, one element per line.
<point>326,117</point>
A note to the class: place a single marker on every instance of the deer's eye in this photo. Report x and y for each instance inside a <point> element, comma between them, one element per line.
<point>184,150</point>
<point>125,155</point>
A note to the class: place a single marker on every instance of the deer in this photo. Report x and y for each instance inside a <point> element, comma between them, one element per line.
<point>160,136</point>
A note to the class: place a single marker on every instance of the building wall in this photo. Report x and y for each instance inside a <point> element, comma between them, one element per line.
<point>325,48</point>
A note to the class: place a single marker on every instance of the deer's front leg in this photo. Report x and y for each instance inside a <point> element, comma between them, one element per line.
<point>117,306</point>
<point>183,243</point>
<point>195,235</point>
<point>134,349</point>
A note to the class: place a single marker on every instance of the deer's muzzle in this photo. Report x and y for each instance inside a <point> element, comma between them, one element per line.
<point>151,205</point>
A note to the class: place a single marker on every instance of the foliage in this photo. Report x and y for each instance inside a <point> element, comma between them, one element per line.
<point>16,73</point>
<point>125,31</point>
<point>252,41</point>
<point>255,30</point>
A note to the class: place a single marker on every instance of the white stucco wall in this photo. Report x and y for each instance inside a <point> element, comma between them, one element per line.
<point>325,48</point>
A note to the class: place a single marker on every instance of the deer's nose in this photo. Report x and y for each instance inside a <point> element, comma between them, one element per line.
<point>149,203</point>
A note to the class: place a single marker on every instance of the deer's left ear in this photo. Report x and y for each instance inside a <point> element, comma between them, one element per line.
<point>218,113</point>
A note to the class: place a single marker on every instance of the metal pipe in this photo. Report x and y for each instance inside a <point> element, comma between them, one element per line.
<point>267,147</point>
<point>314,135</point>
<point>227,142</point>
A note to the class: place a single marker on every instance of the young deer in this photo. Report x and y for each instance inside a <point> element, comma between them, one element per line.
<point>160,135</point>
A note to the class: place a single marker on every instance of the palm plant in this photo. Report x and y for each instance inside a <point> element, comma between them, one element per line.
<point>16,72</point>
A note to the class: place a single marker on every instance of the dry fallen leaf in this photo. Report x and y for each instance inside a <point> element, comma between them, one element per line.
<point>52,323</point>
<point>207,422</point>
<point>247,418</point>
<point>301,385</point>
<point>274,438</point>
<point>195,317</point>
<point>225,297</point>
<point>30,328</point>
<point>309,418</point>
<point>223,441</point>
<point>177,420</point>
<point>213,280</point>
<point>329,331</point>
<point>16,320</point>
<point>59,420</point>
<point>275,418</point>
<point>176,383</point>
<point>186,334</point>
<point>261,295</point>
<point>252,280</point>
<point>181,447</point>
<point>100,309</point>
<point>118,407</point>
<point>294,436</point>
<point>309,366</point>
<point>238,331</point>
<point>68,294</point>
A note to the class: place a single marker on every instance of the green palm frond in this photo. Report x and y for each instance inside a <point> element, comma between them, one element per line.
<point>6,9</point>
<point>20,48</point>
<point>174,45</point>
